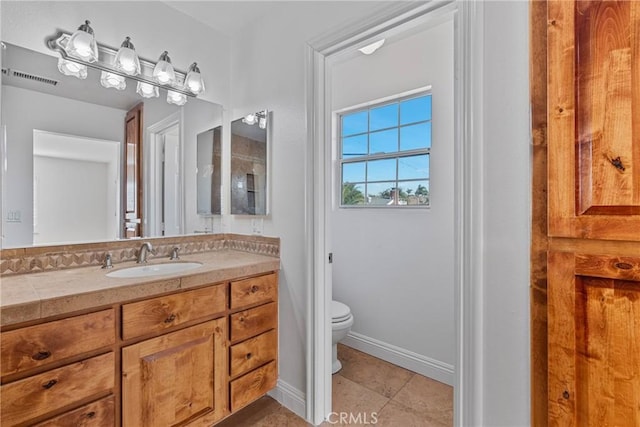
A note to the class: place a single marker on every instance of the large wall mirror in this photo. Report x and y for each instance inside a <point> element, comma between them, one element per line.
<point>249,148</point>
<point>66,160</point>
<point>209,149</point>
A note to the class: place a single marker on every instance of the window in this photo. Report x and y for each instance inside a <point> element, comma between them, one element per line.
<point>384,153</point>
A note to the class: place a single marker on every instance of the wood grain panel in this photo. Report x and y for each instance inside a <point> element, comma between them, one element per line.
<point>594,136</point>
<point>34,346</point>
<point>249,323</point>
<point>253,352</point>
<point>254,290</point>
<point>159,314</point>
<point>255,384</point>
<point>626,268</point>
<point>100,413</point>
<point>40,394</point>
<point>176,377</point>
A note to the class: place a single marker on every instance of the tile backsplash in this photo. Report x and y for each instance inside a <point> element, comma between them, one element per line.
<point>49,258</point>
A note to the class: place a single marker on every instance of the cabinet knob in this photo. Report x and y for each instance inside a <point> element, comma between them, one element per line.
<point>170,318</point>
<point>254,289</point>
<point>91,414</point>
<point>41,355</point>
<point>249,356</point>
<point>50,384</point>
<point>565,394</point>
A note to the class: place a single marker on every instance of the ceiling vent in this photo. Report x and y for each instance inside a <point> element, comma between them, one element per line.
<point>32,77</point>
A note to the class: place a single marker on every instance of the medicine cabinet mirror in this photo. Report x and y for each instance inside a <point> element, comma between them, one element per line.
<point>249,153</point>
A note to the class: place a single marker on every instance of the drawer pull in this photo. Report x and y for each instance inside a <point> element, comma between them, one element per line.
<point>170,318</point>
<point>249,356</point>
<point>91,414</point>
<point>623,265</point>
<point>50,384</point>
<point>254,289</point>
<point>41,355</point>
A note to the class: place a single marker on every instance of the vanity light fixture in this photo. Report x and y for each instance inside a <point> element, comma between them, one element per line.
<point>259,118</point>
<point>80,51</point>
<point>370,48</point>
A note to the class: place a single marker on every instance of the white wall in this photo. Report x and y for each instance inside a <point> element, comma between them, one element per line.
<point>82,185</point>
<point>394,267</point>
<point>152,25</point>
<point>54,114</point>
<point>268,71</point>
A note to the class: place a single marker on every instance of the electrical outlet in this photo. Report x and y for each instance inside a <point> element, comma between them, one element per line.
<point>14,216</point>
<point>257,226</point>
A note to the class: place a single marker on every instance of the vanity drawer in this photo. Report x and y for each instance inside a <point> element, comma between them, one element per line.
<point>40,394</point>
<point>255,384</point>
<point>254,290</point>
<point>253,352</point>
<point>157,314</point>
<point>34,346</point>
<point>249,323</point>
<point>100,413</point>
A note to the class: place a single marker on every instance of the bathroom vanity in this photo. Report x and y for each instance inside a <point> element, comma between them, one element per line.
<point>190,348</point>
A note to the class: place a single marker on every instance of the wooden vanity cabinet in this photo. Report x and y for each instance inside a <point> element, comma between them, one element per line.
<point>191,357</point>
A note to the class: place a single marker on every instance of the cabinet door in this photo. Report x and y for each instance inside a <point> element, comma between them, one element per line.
<point>594,340</point>
<point>176,378</point>
<point>594,119</point>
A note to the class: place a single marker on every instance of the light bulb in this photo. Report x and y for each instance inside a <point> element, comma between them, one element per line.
<point>127,60</point>
<point>176,98</point>
<point>163,72</point>
<point>193,81</point>
<point>250,119</point>
<point>147,90</point>
<point>111,80</point>
<point>70,68</point>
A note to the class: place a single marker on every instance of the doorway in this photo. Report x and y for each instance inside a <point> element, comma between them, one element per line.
<point>163,171</point>
<point>468,39</point>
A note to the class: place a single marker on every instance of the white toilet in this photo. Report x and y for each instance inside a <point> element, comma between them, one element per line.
<point>341,323</point>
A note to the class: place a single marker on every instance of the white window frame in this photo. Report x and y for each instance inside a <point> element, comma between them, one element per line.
<point>340,161</point>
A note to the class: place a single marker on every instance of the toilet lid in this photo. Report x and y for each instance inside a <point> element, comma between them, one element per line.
<point>339,311</point>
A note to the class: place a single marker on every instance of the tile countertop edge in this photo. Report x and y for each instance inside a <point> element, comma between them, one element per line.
<point>47,303</point>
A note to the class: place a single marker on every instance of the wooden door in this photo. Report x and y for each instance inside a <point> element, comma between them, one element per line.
<point>177,378</point>
<point>133,173</point>
<point>594,119</point>
<point>594,340</point>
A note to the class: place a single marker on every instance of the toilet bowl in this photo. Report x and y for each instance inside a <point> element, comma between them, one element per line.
<point>341,323</point>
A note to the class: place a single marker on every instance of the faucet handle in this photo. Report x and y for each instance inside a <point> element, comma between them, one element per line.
<point>107,261</point>
<point>174,253</point>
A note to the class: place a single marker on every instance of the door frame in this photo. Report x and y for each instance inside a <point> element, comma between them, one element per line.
<point>468,34</point>
<point>153,134</point>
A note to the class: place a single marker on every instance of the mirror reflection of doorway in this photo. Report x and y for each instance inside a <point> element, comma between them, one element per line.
<point>77,178</point>
<point>164,174</point>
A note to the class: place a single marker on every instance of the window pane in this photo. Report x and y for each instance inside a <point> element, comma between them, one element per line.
<point>385,141</point>
<point>353,172</point>
<point>415,110</point>
<point>413,167</point>
<point>354,123</point>
<point>383,117</point>
<point>380,193</point>
<point>415,136</point>
<point>352,194</point>
<point>354,146</point>
<point>416,192</point>
<point>381,170</point>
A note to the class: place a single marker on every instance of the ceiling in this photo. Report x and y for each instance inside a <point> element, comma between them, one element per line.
<point>225,16</point>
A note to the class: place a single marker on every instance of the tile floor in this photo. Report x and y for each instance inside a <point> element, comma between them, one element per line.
<point>369,391</point>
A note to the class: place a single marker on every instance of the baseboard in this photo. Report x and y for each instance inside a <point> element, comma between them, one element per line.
<point>291,398</point>
<point>423,365</point>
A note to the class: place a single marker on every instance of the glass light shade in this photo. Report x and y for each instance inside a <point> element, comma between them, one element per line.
<point>163,71</point>
<point>250,119</point>
<point>111,80</point>
<point>127,60</point>
<point>176,98</point>
<point>70,68</point>
<point>262,123</point>
<point>146,90</point>
<point>193,82</point>
<point>82,44</point>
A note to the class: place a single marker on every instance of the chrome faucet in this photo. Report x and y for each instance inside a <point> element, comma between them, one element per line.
<point>144,251</point>
<point>107,261</point>
<point>174,254</point>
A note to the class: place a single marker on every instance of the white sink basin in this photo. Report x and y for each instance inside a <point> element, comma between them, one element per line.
<point>154,269</point>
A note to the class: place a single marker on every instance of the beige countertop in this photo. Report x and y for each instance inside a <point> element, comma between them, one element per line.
<point>27,297</point>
